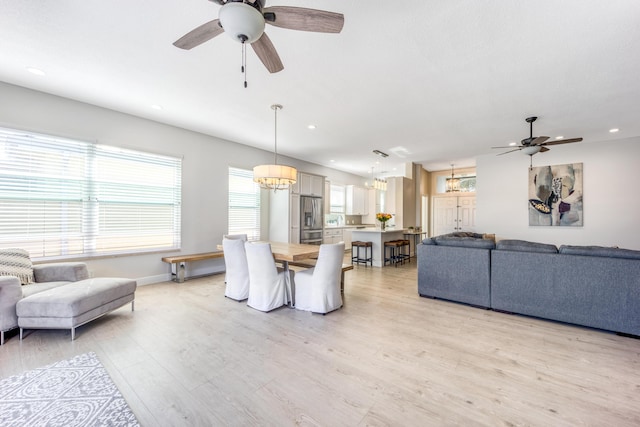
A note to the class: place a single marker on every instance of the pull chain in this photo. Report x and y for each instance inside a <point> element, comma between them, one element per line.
<point>243,68</point>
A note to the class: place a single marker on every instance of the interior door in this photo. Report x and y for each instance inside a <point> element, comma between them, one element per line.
<point>445,215</point>
<point>452,214</point>
<point>467,213</point>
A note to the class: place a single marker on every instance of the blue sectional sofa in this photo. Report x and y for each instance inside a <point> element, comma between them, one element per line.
<point>456,268</point>
<point>585,285</point>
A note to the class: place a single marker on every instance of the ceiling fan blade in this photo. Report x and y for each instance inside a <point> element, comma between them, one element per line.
<point>509,146</point>
<point>563,141</point>
<point>220,2</point>
<point>196,37</point>
<point>510,151</point>
<point>267,53</point>
<point>303,19</point>
<point>543,149</point>
<point>539,140</point>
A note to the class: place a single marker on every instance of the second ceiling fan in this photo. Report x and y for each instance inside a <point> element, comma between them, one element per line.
<point>244,21</point>
<point>536,144</point>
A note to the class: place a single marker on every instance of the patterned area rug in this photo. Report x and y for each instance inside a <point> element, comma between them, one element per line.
<point>75,392</point>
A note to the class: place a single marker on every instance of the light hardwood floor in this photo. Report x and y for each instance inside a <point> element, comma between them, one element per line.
<point>190,357</point>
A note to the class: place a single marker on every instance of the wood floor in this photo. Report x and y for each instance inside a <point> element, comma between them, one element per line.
<point>190,357</point>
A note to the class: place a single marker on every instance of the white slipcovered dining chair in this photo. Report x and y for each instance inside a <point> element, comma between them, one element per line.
<point>237,269</point>
<point>267,284</point>
<point>242,237</point>
<point>318,288</point>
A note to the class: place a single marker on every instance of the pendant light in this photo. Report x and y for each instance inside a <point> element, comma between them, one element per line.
<point>275,177</point>
<point>453,184</point>
<point>380,183</point>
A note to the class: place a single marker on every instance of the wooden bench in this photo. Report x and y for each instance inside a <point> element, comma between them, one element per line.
<point>310,263</point>
<point>178,262</point>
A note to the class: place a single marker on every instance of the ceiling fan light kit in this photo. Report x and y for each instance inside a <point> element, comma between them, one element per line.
<point>241,22</point>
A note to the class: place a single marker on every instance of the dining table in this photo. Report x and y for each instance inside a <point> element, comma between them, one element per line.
<point>284,253</point>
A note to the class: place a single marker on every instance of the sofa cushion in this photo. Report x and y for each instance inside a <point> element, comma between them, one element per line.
<point>466,242</point>
<point>525,246</point>
<point>601,251</point>
<point>16,262</point>
<point>428,241</point>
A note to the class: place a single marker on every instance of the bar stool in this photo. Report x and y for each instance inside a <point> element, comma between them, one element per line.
<point>404,250</point>
<point>368,253</point>
<point>391,251</point>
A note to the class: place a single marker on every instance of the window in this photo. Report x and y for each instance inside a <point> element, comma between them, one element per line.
<point>336,199</point>
<point>244,204</point>
<point>61,198</point>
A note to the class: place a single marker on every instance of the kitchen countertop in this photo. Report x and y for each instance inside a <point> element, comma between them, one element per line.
<point>377,230</point>
<point>350,226</point>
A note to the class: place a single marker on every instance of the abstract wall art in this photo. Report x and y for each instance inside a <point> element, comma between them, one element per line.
<point>555,195</point>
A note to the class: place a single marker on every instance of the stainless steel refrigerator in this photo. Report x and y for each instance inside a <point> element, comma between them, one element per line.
<point>311,220</point>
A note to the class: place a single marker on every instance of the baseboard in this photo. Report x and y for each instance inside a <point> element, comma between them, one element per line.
<point>149,280</point>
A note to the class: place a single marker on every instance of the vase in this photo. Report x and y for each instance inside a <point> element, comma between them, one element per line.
<point>382,225</point>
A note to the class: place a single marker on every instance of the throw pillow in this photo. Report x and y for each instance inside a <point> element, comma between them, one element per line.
<point>16,262</point>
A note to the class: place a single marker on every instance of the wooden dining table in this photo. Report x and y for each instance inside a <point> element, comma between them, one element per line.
<point>288,252</point>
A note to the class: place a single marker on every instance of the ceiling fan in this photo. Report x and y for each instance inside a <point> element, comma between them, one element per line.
<point>536,144</point>
<point>244,21</point>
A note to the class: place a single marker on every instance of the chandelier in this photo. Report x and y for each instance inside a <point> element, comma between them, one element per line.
<point>275,177</point>
<point>380,183</point>
<point>453,184</point>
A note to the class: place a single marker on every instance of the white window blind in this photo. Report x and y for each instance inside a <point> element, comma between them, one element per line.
<point>244,204</point>
<point>63,198</point>
<point>337,199</point>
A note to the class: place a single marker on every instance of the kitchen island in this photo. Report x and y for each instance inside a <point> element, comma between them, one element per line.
<point>377,237</point>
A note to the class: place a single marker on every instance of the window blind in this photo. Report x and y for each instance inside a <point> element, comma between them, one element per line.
<point>63,198</point>
<point>244,204</point>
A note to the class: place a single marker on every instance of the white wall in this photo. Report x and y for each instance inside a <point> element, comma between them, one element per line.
<point>204,169</point>
<point>611,201</point>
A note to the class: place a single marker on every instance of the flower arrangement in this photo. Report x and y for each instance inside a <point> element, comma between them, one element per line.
<point>383,217</point>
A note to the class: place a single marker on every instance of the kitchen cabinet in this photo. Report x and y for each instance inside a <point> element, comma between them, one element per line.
<point>357,200</point>
<point>332,235</point>
<point>310,185</point>
<point>294,218</point>
<point>283,205</point>
<point>346,238</point>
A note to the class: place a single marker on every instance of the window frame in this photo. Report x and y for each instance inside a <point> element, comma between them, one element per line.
<point>64,198</point>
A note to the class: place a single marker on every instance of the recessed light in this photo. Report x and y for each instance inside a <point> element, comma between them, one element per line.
<point>559,137</point>
<point>614,130</point>
<point>512,144</point>
<point>332,161</point>
<point>312,127</point>
<point>156,107</point>
<point>36,71</point>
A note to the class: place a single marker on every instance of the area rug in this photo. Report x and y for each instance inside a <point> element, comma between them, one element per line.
<point>74,392</point>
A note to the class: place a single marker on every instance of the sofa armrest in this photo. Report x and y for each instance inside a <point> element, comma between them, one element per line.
<point>10,294</point>
<point>60,271</point>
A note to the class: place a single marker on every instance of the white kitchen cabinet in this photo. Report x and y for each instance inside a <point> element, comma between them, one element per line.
<point>310,185</point>
<point>357,200</point>
<point>283,205</point>
<point>294,218</point>
<point>332,235</point>
<point>346,238</point>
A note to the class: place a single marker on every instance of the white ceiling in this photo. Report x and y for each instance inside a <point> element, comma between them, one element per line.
<point>440,81</point>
